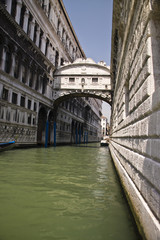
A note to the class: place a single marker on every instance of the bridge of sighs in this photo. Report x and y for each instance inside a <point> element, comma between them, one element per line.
<point>82,78</point>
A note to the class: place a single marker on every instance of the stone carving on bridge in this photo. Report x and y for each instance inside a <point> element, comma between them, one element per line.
<point>83,78</point>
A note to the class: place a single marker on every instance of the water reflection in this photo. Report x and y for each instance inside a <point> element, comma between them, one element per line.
<point>62,193</point>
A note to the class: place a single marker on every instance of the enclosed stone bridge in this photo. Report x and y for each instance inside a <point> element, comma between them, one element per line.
<point>82,78</point>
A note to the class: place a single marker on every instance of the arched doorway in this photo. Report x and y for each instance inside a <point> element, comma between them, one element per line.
<point>42,117</point>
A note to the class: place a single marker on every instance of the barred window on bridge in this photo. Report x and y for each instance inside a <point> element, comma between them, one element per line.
<point>72,80</point>
<point>95,80</point>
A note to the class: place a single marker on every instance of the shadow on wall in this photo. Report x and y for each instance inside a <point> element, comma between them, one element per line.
<point>150,186</point>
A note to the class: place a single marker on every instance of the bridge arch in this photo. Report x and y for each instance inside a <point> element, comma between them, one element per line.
<point>82,78</point>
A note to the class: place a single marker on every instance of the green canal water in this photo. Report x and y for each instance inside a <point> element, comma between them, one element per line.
<point>62,193</point>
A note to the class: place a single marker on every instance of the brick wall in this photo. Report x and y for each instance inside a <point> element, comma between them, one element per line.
<point>135,131</point>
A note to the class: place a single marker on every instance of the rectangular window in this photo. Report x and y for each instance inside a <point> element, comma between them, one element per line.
<point>71,80</point>
<point>29,119</point>
<point>95,80</point>
<point>31,79</point>
<point>35,106</point>
<point>29,104</point>
<point>22,103</point>
<point>5,94</point>
<point>16,68</point>
<point>14,98</point>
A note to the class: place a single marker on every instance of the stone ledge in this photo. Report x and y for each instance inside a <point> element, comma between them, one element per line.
<point>141,211</point>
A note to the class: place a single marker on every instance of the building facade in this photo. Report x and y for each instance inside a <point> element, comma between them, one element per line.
<point>36,37</point>
<point>104,126</point>
<point>135,120</point>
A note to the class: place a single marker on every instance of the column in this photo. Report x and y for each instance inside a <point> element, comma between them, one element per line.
<point>20,72</point>
<point>51,14</point>
<point>28,75</point>
<point>3,58</point>
<point>34,79</point>
<point>43,43</point>
<point>1,90</point>
<point>52,56</point>
<point>37,36</point>
<point>10,96</point>
<point>76,135</point>
<point>47,6</point>
<point>32,26</point>
<point>18,11</point>
<point>40,84</point>
<point>13,64</point>
<point>18,99</point>
<point>79,135</point>
<point>49,50</point>
<point>9,5</point>
<point>84,137</point>
<point>26,102</point>
<point>25,22</point>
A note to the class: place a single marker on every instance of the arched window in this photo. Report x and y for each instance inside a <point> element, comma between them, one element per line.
<point>56,59</point>
<point>24,71</point>
<point>13,11</point>
<point>37,83</point>
<point>47,45</point>
<point>35,33</point>
<point>44,84</point>
<point>31,78</point>
<point>23,9</point>
<point>29,23</point>
<point>40,40</point>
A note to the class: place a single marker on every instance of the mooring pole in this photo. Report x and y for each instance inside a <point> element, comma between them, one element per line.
<point>79,136</point>
<point>55,134</point>
<point>76,136</point>
<point>87,138</point>
<point>46,137</point>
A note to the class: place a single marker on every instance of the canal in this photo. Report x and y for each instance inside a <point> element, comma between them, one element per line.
<point>62,193</point>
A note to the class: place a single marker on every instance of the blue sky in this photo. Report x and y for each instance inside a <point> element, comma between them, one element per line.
<point>92,22</point>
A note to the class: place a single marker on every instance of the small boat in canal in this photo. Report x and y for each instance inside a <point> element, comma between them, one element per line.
<point>6,146</point>
<point>104,142</point>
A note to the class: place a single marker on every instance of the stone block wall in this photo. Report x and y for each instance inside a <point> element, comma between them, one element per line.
<point>135,130</point>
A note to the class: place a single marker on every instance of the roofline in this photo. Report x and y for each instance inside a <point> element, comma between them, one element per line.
<point>71,27</point>
<point>72,65</point>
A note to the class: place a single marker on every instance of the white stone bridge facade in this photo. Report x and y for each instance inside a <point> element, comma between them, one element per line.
<point>82,78</point>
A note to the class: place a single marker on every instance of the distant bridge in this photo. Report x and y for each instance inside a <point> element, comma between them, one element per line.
<point>82,78</point>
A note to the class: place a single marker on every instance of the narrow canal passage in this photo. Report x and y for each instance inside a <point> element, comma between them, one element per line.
<point>67,193</point>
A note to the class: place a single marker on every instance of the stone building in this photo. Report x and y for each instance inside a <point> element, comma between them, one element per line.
<point>135,120</point>
<point>36,37</point>
<point>104,126</point>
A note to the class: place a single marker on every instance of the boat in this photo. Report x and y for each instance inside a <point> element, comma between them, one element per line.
<point>104,142</point>
<point>7,146</point>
